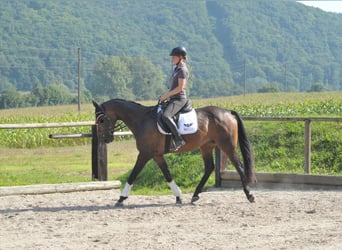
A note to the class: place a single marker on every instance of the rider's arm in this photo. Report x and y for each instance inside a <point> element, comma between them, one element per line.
<point>175,91</point>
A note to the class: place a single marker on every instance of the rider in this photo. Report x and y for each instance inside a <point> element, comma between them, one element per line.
<point>176,94</point>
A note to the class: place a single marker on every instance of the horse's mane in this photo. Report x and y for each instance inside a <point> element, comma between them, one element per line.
<point>145,109</point>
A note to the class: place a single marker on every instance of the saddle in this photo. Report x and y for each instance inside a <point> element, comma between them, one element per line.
<point>185,119</point>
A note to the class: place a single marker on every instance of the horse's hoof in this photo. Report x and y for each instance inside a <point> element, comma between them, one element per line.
<point>194,199</point>
<point>122,198</point>
<point>119,204</point>
<point>251,198</point>
<point>178,201</point>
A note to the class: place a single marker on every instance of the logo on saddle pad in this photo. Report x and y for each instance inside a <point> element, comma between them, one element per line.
<point>187,123</point>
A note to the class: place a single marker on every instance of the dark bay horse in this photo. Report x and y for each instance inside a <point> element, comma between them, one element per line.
<point>217,127</point>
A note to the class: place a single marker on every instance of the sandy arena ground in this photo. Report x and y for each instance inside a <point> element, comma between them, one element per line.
<point>219,220</point>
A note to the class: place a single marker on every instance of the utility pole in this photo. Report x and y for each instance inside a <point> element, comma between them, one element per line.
<point>245,78</point>
<point>78,80</point>
<point>285,76</point>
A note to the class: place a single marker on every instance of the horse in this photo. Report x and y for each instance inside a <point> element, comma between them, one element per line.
<point>217,127</point>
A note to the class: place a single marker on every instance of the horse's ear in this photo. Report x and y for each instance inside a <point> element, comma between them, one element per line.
<point>96,105</point>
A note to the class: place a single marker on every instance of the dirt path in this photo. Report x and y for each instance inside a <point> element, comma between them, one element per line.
<point>219,220</point>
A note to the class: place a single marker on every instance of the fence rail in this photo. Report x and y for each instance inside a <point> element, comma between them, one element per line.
<point>99,150</point>
<point>307,132</point>
<point>46,125</point>
<point>89,135</point>
<point>90,123</point>
<point>293,119</point>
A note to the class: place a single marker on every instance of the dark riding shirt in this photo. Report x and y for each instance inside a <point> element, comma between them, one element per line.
<point>180,72</point>
<point>178,101</point>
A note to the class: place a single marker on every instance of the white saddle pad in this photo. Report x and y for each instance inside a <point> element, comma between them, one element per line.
<point>187,123</point>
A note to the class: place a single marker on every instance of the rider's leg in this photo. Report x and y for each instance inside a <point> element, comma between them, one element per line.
<point>173,107</point>
<point>178,139</point>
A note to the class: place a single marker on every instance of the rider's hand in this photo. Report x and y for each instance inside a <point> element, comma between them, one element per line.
<point>161,99</point>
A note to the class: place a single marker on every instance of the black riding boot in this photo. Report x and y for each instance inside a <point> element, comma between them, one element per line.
<point>177,138</point>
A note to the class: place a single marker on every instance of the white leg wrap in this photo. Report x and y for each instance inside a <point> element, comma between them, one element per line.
<point>126,190</point>
<point>175,189</point>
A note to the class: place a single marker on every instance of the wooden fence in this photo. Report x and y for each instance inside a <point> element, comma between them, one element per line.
<point>222,175</point>
<point>99,148</point>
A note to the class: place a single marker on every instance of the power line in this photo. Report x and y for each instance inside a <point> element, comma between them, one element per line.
<point>39,68</point>
<point>40,49</point>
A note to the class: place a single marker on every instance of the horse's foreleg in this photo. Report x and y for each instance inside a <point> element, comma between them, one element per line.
<point>176,191</point>
<point>125,193</point>
<point>166,172</point>
<point>209,168</point>
<point>139,165</point>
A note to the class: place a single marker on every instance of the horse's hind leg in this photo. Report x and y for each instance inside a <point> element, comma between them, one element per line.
<point>245,186</point>
<point>166,172</point>
<point>233,156</point>
<point>207,155</point>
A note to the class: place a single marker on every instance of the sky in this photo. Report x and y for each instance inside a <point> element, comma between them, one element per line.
<point>330,6</point>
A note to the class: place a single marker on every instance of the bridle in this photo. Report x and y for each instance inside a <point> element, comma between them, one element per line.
<point>101,117</point>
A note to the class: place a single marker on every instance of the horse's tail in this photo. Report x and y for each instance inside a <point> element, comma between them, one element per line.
<point>246,150</point>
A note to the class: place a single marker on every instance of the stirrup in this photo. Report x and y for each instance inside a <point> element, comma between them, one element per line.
<point>177,145</point>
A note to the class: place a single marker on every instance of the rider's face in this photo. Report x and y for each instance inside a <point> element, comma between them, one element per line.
<point>175,59</point>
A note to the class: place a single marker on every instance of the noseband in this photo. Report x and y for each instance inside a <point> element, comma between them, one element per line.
<point>101,116</point>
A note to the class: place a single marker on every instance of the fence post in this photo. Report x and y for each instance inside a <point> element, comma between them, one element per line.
<point>94,168</point>
<point>99,157</point>
<point>221,162</point>
<point>217,167</point>
<point>307,145</point>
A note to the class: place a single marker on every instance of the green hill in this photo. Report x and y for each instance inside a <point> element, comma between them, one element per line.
<point>280,45</point>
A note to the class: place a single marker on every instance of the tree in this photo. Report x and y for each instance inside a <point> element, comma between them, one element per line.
<point>9,98</point>
<point>38,92</point>
<point>57,94</point>
<point>269,88</point>
<point>316,87</point>
<point>127,78</point>
<point>5,84</point>
<point>147,79</point>
<point>111,78</point>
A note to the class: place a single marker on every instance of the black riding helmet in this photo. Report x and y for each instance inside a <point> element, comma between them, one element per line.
<point>178,51</point>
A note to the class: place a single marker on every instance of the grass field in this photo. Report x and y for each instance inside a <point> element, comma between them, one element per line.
<point>28,156</point>
<point>61,164</point>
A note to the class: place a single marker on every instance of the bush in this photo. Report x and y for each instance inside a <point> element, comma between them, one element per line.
<point>269,88</point>
<point>317,87</point>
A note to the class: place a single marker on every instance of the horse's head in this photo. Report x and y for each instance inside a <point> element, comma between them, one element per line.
<point>105,123</point>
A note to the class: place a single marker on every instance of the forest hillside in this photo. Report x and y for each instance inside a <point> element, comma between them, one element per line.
<point>233,46</point>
